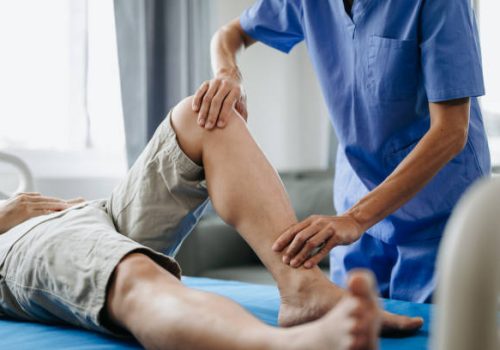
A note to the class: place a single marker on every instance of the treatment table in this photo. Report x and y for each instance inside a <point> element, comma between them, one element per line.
<point>260,300</point>
<point>468,272</point>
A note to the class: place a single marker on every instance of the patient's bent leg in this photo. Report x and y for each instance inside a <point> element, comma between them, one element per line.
<point>164,314</point>
<point>247,193</point>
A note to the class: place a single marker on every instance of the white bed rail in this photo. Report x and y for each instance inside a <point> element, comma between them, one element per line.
<point>25,179</point>
<point>469,273</point>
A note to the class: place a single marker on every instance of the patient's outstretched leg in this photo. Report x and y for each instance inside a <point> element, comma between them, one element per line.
<point>164,314</point>
<point>247,193</point>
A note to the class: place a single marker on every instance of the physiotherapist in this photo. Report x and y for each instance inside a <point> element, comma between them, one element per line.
<point>400,79</point>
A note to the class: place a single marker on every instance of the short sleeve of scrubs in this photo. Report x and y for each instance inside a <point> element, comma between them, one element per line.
<point>276,23</point>
<point>451,58</point>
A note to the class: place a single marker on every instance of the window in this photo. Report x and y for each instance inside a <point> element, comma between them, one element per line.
<point>489,26</point>
<point>59,85</point>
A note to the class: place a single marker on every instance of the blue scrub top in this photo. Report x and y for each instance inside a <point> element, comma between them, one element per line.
<point>379,68</point>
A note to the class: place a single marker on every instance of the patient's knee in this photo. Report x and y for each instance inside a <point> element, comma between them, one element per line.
<point>189,133</point>
<point>184,119</point>
<point>121,286</point>
<point>191,136</point>
<point>133,269</point>
<point>133,279</point>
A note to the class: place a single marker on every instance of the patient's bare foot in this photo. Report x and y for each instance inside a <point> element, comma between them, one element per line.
<point>309,300</point>
<point>354,323</point>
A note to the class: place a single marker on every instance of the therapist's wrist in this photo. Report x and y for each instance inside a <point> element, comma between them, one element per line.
<point>229,72</point>
<point>358,218</point>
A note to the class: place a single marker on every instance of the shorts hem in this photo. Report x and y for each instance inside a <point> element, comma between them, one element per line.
<point>98,309</point>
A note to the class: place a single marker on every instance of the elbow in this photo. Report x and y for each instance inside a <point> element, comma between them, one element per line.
<point>216,36</point>
<point>232,33</point>
<point>226,31</point>
<point>450,122</point>
<point>458,140</point>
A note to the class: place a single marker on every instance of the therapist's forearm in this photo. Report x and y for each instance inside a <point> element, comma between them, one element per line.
<point>224,47</point>
<point>444,140</point>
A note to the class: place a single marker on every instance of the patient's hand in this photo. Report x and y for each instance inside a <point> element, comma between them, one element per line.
<point>215,98</point>
<point>309,241</point>
<point>25,206</point>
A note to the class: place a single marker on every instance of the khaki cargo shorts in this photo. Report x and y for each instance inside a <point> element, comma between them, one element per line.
<point>59,271</point>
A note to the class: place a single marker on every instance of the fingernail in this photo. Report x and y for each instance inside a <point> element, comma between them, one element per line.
<point>201,121</point>
<point>220,124</point>
<point>286,260</point>
<point>208,125</point>
<point>307,265</point>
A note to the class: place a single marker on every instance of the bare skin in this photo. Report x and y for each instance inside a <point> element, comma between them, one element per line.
<point>443,141</point>
<point>215,98</point>
<point>164,314</point>
<point>260,211</point>
<point>445,138</point>
<point>24,206</point>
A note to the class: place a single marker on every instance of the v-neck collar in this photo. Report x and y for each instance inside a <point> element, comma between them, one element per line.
<point>358,8</point>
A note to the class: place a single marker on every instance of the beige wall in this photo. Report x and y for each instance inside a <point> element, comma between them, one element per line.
<point>287,112</point>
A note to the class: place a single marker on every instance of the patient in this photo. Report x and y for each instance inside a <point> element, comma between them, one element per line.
<point>97,265</point>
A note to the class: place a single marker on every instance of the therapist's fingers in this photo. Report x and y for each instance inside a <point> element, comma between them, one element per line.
<point>310,246</point>
<point>198,96</point>
<point>229,104</point>
<point>316,258</point>
<point>302,240</point>
<point>216,105</point>
<point>286,237</point>
<point>206,101</point>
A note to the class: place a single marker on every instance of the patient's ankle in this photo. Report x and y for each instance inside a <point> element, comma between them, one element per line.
<point>294,281</point>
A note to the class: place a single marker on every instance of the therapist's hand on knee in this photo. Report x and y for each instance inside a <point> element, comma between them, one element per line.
<point>215,98</point>
<point>308,242</point>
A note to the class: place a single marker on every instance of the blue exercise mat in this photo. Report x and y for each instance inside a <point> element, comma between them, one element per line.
<point>262,301</point>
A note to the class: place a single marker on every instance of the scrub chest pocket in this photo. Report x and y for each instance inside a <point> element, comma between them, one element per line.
<point>392,68</point>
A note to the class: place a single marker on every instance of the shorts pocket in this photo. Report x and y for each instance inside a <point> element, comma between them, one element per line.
<point>392,68</point>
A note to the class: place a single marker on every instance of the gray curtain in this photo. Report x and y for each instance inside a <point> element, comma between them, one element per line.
<point>163,53</point>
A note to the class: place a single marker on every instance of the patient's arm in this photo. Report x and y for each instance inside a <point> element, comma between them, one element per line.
<point>25,206</point>
<point>247,193</point>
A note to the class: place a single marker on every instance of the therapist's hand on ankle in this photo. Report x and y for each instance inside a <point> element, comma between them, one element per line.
<point>309,241</point>
<point>215,99</point>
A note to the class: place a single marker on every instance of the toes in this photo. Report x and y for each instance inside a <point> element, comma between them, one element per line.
<point>398,325</point>
<point>365,331</point>
<point>362,284</point>
<point>359,342</point>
